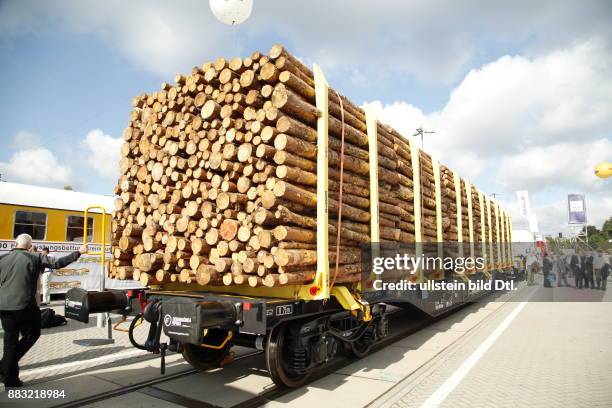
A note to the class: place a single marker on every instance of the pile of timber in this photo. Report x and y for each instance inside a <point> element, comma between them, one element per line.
<point>218,180</point>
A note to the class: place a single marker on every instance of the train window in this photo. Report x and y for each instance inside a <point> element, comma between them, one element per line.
<point>29,222</point>
<point>74,228</point>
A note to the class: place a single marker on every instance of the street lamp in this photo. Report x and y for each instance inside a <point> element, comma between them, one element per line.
<point>421,132</point>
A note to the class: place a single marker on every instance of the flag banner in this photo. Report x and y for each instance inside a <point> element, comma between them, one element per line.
<point>522,196</point>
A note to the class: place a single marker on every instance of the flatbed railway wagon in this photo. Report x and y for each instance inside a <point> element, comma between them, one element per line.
<point>249,190</point>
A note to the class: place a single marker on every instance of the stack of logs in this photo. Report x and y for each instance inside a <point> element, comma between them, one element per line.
<point>218,180</point>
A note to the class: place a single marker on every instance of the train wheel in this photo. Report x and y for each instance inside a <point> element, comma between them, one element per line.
<point>204,358</point>
<point>362,346</point>
<point>277,356</point>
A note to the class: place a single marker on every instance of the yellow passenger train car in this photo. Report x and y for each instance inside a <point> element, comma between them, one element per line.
<point>55,219</point>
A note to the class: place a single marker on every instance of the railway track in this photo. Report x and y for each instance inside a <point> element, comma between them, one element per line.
<point>403,323</point>
<point>137,386</point>
<point>150,387</point>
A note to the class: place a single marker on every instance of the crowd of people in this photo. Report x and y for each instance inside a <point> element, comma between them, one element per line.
<point>588,269</point>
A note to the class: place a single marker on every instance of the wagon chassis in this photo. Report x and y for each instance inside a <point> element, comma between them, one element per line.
<point>297,336</point>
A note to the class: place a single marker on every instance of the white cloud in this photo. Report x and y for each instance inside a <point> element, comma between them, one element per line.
<point>25,140</point>
<point>406,118</point>
<point>565,164</point>
<point>402,116</point>
<point>36,166</point>
<point>540,121</point>
<point>432,41</point>
<point>516,102</point>
<point>104,152</point>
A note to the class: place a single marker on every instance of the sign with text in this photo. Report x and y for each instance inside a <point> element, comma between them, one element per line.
<point>86,273</point>
<point>576,209</point>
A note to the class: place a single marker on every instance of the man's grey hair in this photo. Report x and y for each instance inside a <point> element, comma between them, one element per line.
<point>24,241</point>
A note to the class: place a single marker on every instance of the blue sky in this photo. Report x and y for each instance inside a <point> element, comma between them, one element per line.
<point>518,94</point>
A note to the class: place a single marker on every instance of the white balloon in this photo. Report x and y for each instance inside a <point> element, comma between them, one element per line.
<point>231,12</point>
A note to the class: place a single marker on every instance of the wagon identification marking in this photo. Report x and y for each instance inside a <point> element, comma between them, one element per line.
<point>284,310</point>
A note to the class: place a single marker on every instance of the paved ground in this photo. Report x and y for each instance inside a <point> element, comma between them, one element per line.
<point>555,354</point>
<point>353,385</point>
<point>62,350</point>
<point>551,355</point>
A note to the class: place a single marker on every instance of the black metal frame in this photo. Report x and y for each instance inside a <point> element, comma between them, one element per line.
<point>307,333</point>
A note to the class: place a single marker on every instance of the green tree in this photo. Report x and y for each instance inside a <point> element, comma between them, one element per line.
<point>600,239</point>
<point>606,229</point>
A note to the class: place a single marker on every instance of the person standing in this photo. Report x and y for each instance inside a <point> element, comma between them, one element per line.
<point>605,271</point>
<point>598,264</point>
<point>547,270</point>
<point>583,270</point>
<point>576,266</point>
<point>562,270</point>
<point>589,282</point>
<point>532,268</point>
<point>45,279</point>
<point>19,311</point>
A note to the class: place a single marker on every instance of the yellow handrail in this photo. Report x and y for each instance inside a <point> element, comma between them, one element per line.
<point>229,336</point>
<point>103,243</point>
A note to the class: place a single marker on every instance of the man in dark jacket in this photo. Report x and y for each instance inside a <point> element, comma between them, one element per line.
<point>547,270</point>
<point>589,281</point>
<point>576,268</point>
<point>19,312</point>
<point>583,269</point>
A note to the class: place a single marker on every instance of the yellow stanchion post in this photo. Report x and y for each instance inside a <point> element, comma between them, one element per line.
<point>372,129</point>
<point>483,226</point>
<point>435,164</point>
<point>468,194</point>
<point>457,182</point>
<point>321,280</point>
<point>490,233</point>
<point>416,189</point>
<point>498,235</point>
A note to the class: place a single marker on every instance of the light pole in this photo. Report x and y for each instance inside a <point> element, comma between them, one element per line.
<point>421,132</point>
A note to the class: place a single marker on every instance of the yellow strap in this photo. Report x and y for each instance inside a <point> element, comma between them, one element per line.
<point>372,128</point>
<point>468,194</point>
<point>322,277</point>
